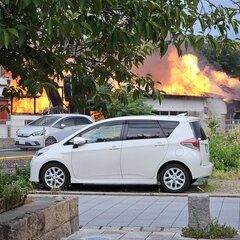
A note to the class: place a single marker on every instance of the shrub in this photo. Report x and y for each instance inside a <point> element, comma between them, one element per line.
<point>225,151</point>
<point>14,186</point>
<point>216,230</point>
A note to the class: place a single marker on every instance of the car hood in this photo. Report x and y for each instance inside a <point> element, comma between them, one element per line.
<point>28,130</point>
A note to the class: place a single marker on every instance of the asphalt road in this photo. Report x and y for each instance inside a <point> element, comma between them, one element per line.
<point>15,152</point>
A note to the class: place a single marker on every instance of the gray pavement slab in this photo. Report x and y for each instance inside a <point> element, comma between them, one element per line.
<point>151,211</point>
<point>145,217</point>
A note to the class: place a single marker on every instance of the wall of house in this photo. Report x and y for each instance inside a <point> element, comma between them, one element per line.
<point>8,130</point>
<point>202,107</point>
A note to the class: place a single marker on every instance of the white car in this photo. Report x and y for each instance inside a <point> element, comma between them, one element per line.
<point>172,151</point>
<point>50,129</point>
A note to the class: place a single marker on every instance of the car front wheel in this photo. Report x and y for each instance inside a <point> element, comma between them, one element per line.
<point>174,178</point>
<point>50,140</point>
<point>54,175</point>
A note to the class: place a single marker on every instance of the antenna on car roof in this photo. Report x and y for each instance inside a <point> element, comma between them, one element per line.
<point>182,114</point>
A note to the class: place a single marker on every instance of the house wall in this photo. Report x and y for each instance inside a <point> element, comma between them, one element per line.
<point>9,128</point>
<point>18,121</point>
<point>202,107</point>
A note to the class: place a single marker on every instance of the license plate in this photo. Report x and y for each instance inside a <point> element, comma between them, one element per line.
<point>21,142</point>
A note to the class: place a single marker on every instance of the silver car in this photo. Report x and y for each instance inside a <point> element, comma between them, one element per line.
<point>50,129</point>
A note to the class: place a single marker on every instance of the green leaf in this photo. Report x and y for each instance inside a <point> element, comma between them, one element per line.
<point>163,47</point>
<point>97,6</point>
<point>13,31</point>
<point>6,38</point>
<point>49,26</point>
<point>199,41</point>
<point>82,4</point>
<point>22,38</point>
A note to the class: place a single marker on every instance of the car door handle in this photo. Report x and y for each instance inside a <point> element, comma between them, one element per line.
<point>114,148</point>
<point>159,144</point>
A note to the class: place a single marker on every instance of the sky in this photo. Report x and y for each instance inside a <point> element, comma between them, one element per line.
<point>225,3</point>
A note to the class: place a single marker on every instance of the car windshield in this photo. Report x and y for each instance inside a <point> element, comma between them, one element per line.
<point>44,121</point>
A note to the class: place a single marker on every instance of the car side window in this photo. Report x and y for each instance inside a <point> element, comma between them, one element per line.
<point>104,133</point>
<point>143,130</point>
<point>168,127</point>
<point>69,122</point>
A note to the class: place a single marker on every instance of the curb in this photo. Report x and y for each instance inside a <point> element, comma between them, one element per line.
<point>129,194</point>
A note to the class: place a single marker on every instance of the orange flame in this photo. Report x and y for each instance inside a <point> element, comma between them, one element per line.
<point>26,105</point>
<point>183,76</point>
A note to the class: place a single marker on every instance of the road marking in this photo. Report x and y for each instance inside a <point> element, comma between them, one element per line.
<point>15,157</point>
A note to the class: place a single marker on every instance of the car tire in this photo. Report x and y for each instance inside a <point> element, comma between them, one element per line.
<point>174,178</point>
<point>50,140</point>
<point>54,176</point>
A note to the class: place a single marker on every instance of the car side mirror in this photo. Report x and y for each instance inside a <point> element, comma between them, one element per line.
<point>78,141</point>
<point>62,126</point>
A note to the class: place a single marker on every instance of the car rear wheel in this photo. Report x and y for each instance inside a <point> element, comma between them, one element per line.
<point>174,178</point>
<point>50,140</point>
<point>54,175</point>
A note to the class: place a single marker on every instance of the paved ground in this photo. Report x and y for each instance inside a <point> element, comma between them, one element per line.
<point>145,217</point>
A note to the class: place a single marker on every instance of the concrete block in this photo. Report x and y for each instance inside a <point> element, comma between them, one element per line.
<point>18,230</point>
<point>74,224</point>
<point>58,233</point>
<point>198,211</point>
<point>73,207</point>
<point>36,225</point>
<point>56,215</point>
<point>41,219</point>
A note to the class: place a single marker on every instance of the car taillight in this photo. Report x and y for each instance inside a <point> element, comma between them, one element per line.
<point>192,143</point>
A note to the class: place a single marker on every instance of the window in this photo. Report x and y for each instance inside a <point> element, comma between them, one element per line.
<point>69,122</point>
<point>82,121</point>
<point>168,127</point>
<point>198,130</point>
<point>73,121</point>
<point>143,130</point>
<point>104,133</point>
<point>44,121</point>
<point>101,133</point>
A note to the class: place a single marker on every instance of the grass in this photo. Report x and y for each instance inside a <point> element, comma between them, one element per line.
<point>216,230</point>
<point>227,175</point>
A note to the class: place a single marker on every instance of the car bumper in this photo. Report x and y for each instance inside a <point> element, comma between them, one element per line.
<point>29,142</point>
<point>203,171</point>
<point>34,170</point>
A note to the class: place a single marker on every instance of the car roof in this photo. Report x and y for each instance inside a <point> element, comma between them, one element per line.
<point>66,114</point>
<point>179,118</point>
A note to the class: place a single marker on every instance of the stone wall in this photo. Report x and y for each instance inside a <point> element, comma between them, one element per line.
<point>6,143</point>
<point>41,218</point>
<point>11,165</point>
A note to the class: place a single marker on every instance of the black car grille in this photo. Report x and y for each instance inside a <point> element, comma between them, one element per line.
<point>22,135</point>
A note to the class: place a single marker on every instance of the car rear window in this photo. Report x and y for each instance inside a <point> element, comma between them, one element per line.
<point>198,130</point>
<point>143,129</point>
<point>82,121</point>
<point>168,127</point>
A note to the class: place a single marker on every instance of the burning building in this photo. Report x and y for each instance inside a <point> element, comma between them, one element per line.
<point>192,87</point>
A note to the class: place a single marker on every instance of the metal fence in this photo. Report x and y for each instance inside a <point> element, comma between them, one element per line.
<point>229,125</point>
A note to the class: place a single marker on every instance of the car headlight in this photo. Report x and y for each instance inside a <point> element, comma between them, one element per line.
<point>38,133</point>
<point>42,150</point>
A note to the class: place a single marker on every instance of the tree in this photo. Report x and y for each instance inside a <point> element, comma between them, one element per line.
<point>98,40</point>
<point>116,101</point>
